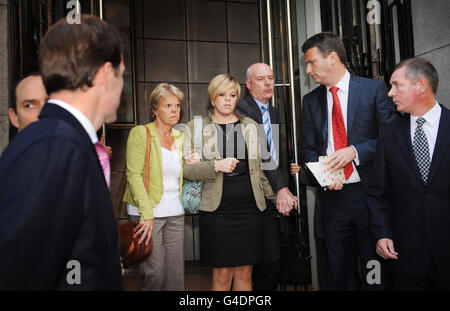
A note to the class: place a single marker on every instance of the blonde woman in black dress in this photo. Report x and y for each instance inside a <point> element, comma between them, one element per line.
<point>234,189</point>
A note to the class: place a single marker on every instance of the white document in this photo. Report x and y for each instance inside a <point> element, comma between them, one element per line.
<point>323,174</point>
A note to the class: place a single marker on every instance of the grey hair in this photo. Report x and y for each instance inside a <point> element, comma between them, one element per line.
<point>249,73</point>
<point>163,90</point>
<point>249,69</point>
<point>418,68</point>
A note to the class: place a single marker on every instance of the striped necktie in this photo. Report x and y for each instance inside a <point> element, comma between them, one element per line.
<point>268,130</point>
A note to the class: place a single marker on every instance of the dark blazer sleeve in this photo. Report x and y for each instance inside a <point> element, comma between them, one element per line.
<point>378,192</point>
<point>311,143</point>
<point>385,114</point>
<point>310,150</point>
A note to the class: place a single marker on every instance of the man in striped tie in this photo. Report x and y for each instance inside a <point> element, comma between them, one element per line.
<point>340,119</point>
<point>256,105</point>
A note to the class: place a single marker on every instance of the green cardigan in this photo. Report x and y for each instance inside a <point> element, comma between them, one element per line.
<point>135,193</point>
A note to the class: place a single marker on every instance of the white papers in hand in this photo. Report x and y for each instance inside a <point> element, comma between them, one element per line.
<point>323,173</point>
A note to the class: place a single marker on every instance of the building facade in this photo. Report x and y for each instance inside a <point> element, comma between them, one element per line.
<point>188,42</point>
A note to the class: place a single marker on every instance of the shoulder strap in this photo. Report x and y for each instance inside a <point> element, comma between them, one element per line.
<point>147,159</point>
<point>198,130</point>
<point>123,181</point>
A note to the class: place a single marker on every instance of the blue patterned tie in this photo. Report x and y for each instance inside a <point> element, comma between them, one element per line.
<point>421,150</point>
<point>268,129</point>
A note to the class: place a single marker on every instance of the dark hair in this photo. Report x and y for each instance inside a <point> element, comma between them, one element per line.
<point>16,84</point>
<point>71,54</point>
<point>418,68</point>
<point>327,42</point>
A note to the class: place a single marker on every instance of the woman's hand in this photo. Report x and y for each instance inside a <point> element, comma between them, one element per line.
<point>144,229</point>
<point>193,158</point>
<point>226,165</point>
<point>294,169</point>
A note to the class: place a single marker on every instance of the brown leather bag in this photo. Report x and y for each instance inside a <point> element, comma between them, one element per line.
<point>131,251</point>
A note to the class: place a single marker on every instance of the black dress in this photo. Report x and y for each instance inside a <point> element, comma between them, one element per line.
<point>232,235</point>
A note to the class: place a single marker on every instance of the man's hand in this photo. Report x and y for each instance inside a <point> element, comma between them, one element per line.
<point>385,248</point>
<point>294,169</point>
<point>337,185</point>
<point>285,201</point>
<point>341,158</point>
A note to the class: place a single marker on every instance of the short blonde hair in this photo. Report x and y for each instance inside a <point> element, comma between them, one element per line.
<point>222,83</point>
<point>164,90</point>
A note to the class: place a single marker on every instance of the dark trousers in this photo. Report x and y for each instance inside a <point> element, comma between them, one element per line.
<point>266,274</point>
<point>347,239</point>
<point>322,263</point>
<point>321,250</point>
<point>433,281</point>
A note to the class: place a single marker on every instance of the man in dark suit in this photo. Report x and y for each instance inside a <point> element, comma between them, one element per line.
<point>256,105</point>
<point>57,228</point>
<point>409,194</point>
<point>340,120</point>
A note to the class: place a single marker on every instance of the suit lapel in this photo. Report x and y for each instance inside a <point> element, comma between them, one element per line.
<point>442,142</point>
<point>352,104</point>
<point>403,134</point>
<point>255,109</point>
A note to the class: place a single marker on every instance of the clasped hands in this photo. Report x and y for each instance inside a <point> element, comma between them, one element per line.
<point>226,165</point>
<point>285,199</point>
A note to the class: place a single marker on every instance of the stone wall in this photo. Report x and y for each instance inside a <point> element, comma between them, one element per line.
<point>4,75</point>
<point>431,24</point>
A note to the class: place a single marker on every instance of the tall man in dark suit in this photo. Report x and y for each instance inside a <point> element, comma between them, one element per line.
<point>341,119</point>
<point>57,228</point>
<point>256,105</point>
<point>409,195</point>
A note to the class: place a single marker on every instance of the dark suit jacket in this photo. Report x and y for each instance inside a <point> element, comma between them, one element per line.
<point>248,107</point>
<point>416,217</point>
<point>55,207</point>
<point>368,108</point>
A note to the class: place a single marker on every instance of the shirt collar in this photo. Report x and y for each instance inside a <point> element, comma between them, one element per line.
<point>344,83</point>
<point>87,125</point>
<point>260,105</point>
<point>432,116</point>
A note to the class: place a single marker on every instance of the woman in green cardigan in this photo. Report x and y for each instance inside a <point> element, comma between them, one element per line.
<point>159,212</point>
<point>234,189</point>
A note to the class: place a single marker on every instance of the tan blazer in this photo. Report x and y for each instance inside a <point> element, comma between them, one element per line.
<point>212,181</point>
